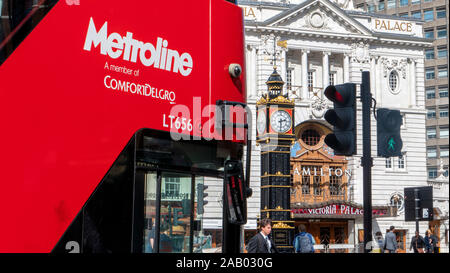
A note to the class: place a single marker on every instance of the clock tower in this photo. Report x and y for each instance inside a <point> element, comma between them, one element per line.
<point>275,134</point>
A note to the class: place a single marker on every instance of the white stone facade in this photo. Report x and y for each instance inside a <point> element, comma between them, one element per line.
<point>327,44</point>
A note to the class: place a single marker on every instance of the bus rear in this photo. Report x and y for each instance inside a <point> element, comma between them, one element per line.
<point>110,124</point>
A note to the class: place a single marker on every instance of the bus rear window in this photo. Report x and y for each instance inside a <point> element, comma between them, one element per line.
<point>18,19</point>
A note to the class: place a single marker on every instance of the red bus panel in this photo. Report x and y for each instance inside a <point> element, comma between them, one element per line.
<point>84,81</point>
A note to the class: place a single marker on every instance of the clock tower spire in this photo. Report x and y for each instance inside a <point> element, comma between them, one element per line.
<point>275,134</point>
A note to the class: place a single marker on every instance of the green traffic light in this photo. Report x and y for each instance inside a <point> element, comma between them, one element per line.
<point>389,140</point>
<point>391,144</point>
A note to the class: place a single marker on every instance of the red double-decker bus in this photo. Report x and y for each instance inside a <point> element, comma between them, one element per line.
<point>107,109</point>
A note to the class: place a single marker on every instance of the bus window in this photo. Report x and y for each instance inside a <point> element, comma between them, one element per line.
<point>150,212</point>
<point>176,214</point>
<point>17,20</point>
<point>204,241</point>
<point>150,202</point>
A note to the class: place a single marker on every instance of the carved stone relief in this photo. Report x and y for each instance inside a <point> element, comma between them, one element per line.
<point>391,64</point>
<point>360,53</point>
<point>317,107</point>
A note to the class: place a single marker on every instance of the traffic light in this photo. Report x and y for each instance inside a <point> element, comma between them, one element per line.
<point>418,204</point>
<point>389,141</point>
<point>235,194</point>
<point>201,194</point>
<point>343,118</point>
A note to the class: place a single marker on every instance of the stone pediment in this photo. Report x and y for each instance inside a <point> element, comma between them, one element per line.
<point>318,16</point>
<point>323,153</point>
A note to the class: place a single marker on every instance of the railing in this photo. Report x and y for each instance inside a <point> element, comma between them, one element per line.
<point>311,199</point>
<point>299,197</point>
<point>334,248</point>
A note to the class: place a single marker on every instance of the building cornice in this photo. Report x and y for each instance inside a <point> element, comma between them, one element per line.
<point>377,38</point>
<point>307,33</point>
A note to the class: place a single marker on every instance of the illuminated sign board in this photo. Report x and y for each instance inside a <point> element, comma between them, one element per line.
<point>337,209</point>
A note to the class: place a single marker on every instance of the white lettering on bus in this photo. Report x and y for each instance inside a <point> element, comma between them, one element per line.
<point>139,89</point>
<point>116,46</point>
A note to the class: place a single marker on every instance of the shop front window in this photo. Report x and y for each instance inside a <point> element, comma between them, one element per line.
<point>324,235</point>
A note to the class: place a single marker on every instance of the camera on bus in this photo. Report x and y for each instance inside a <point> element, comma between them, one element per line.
<point>235,70</point>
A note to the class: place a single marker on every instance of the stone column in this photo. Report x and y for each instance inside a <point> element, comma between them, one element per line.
<point>253,66</point>
<point>305,74</point>
<point>346,68</point>
<point>412,82</point>
<point>378,80</point>
<point>325,71</point>
<point>373,77</point>
<point>283,68</point>
<point>248,72</point>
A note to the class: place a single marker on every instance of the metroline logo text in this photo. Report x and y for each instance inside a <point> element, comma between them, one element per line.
<point>115,46</point>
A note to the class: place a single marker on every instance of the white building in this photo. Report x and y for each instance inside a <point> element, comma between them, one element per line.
<point>441,204</point>
<point>329,42</point>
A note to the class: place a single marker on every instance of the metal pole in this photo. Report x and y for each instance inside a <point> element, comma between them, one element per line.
<point>417,207</point>
<point>366,160</point>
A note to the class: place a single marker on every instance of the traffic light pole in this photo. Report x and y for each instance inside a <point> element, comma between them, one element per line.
<point>366,160</point>
<point>417,207</point>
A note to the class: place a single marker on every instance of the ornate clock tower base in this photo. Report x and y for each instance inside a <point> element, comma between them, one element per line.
<point>275,134</point>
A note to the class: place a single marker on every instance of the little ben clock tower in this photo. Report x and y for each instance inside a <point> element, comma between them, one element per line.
<point>275,134</point>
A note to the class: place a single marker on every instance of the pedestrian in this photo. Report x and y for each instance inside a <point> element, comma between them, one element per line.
<point>390,241</point>
<point>303,242</point>
<point>432,242</point>
<point>417,243</point>
<point>428,242</point>
<point>379,245</point>
<point>261,243</point>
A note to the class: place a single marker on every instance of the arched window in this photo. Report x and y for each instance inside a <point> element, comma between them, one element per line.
<point>310,137</point>
<point>393,81</point>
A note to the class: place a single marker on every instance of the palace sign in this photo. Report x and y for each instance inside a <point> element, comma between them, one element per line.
<point>335,210</point>
<point>393,26</point>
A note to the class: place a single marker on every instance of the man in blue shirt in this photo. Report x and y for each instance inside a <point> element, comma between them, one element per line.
<point>304,242</point>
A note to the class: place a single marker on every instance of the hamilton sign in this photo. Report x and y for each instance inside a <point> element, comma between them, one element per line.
<point>320,172</point>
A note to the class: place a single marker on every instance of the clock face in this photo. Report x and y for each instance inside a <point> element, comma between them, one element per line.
<point>281,121</point>
<point>261,122</point>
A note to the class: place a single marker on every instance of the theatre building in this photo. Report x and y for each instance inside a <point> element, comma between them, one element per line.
<point>317,43</point>
<point>321,197</point>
